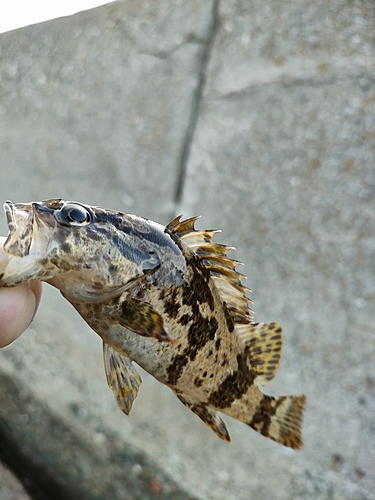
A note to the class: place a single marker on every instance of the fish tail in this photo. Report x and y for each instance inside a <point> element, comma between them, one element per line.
<point>280,418</point>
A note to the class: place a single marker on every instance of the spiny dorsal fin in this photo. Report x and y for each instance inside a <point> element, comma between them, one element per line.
<point>263,342</point>
<point>180,228</point>
<point>222,268</point>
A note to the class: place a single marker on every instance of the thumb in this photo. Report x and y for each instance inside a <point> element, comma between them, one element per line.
<point>18,306</point>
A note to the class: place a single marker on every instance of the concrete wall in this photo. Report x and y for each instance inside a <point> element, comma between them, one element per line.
<point>260,116</point>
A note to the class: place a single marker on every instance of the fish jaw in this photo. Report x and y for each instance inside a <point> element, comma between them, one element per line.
<point>26,245</point>
<point>20,224</point>
<point>42,245</point>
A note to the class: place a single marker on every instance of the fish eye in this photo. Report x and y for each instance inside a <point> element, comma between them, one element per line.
<point>73,215</point>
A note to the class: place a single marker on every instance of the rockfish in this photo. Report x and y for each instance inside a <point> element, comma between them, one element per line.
<point>166,297</point>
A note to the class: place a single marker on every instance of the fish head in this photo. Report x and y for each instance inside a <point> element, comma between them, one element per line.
<point>87,252</point>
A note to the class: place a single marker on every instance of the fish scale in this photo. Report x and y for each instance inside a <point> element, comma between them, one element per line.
<point>167,298</point>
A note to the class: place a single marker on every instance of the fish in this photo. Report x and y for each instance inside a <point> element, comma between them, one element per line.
<point>167,298</point>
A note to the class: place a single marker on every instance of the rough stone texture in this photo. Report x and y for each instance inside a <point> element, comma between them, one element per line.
<point>82,457</point>
<point>10,488</point>
<point>97,104</point>
<point>268,109</point>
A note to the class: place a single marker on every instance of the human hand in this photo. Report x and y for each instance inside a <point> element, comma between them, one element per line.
<point>18,305</point>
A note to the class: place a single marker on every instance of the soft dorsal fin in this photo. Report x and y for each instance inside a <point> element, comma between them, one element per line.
<point>222,268</point>
<point>263,341</point>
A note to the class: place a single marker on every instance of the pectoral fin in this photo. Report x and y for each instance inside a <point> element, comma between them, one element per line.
<point>141,318</point>
<point>122,378</point>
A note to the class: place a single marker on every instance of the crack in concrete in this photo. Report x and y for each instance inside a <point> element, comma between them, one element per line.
<point>196,102</point>
<point>292,83</point>
<point>165,54</point>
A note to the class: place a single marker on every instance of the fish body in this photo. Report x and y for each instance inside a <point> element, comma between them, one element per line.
<point>168,298</point>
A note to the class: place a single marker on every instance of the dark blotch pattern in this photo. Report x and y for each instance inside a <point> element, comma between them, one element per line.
<point>199,291</point>
<point>194,293</point>
<point>171,303</point>
<point>184,320</point>
<point>200,332</point>
<point>66,247</point>
<point>175,368</point>
<point>267,408</point>
<point>188,299</point>
<point>228,319</point>
<point>198,382</point>
<point>234,386</point>
<point>200,286</point>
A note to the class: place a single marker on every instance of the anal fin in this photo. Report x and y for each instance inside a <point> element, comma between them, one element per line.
<point>263,342</point>
<point>122,378</point>
<point>209,417</point>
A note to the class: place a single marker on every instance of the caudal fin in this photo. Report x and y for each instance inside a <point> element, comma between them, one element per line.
<point>279,418</point>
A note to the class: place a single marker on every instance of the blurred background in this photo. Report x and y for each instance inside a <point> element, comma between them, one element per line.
<point>260,116</point>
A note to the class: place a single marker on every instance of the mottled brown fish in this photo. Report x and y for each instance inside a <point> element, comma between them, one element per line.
<point>168,298</point>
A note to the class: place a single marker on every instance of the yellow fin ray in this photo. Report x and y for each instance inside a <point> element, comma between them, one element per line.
<point>263,342</point>
<point>180,228</point>
<point>219,270</point>
<point>220,259</point>
<point>198,238</point>
<point>122,378</point>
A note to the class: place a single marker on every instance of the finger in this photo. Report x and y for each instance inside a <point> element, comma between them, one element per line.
<point>18,306</point>
<point>3,255</point>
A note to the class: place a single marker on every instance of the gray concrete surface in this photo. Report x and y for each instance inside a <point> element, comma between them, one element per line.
<point>261,117</point>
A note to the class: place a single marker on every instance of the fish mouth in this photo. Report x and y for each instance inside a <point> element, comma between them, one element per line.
<point>15,214</point>
<point>9,213</point>
<point>20,220</point>
<point>29,226</point>
<point>30,232</point>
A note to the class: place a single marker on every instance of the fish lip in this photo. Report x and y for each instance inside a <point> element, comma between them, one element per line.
<point>26,244</point>
<point>9,207</point>
<point>17,213</point>
<point>20,219</point>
